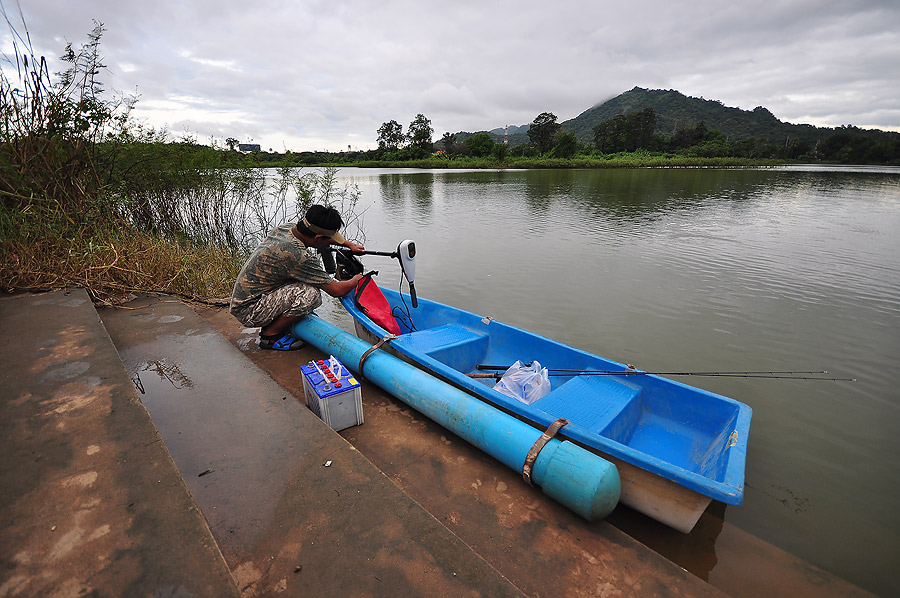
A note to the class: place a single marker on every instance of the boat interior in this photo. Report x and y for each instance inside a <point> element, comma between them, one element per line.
<point>645,413</point>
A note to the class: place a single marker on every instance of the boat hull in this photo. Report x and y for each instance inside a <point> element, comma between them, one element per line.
<point>676,447</point>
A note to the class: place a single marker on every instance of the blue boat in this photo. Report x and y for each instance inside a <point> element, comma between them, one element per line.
<point>676,447</point>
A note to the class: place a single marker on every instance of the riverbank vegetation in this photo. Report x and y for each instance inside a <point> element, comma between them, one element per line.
<point>91,198</point>
<point>629,140</point>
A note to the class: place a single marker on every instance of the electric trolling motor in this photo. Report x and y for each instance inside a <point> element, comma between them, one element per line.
<point>347,265</point>
<point>407,257</point>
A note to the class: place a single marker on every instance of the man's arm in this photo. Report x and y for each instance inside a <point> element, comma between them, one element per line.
<point>339,288</point>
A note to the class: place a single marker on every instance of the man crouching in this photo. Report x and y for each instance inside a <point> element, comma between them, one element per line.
<point>281,281</point>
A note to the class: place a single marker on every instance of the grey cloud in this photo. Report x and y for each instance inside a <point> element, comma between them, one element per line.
<point>317,74</point>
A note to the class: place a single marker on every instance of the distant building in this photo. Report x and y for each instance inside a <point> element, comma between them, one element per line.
<point>249,147</point>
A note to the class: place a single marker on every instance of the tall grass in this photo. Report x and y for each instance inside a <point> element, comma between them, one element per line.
<point>91,198</point>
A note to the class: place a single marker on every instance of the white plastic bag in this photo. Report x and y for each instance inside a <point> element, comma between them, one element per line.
<point>524,383</point>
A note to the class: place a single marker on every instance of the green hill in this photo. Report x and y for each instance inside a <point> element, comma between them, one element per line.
<point>675,110</point>
<point>747,133</point>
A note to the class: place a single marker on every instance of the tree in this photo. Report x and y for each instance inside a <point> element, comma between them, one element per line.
<point>566,145</point>
<point>543,130</point>
<point>420,132</point>
<point>626,132</point>
<point>449,142</point>
<point>689,136</point>
<point>232,143</point>
<point>479,145</point>
<point>390,136</point>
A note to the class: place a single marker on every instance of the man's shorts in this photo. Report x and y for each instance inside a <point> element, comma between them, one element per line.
<point>293,300</point>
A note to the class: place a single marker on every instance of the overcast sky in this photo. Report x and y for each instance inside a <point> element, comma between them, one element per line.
<point>305,75</point>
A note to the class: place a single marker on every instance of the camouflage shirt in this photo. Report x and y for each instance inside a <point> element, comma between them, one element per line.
<point>280,259</point>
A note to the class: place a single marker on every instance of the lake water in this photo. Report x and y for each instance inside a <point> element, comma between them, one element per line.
<point>794,268</point>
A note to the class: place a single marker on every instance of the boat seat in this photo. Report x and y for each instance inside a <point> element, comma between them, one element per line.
<point>592,402</point>
<point>455,346</point>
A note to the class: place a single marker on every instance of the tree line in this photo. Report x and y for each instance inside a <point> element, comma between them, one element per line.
<point>416,143</point>
<point>634,132</point>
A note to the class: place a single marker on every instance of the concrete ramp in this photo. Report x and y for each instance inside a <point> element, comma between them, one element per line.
<point>296,510</point>
<point>91,503</point>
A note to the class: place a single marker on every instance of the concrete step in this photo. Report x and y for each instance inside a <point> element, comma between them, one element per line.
<point>91,502</point>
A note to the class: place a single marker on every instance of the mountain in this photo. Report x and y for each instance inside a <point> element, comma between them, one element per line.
<point>675,110</point>
<point>512,130</point>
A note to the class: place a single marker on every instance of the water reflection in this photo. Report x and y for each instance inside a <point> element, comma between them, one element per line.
<point>165,370</point>
<point>421,189</point>
<point>543,187</point>
<point>416,189</point>
<point>696,551</point>
<point>627,195</point>
<point>392,192</point>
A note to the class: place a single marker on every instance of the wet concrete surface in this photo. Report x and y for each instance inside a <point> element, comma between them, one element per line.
<point>295,508</point>
<point>91,503</point>
<point>542,547</point>
<point>539,545</point>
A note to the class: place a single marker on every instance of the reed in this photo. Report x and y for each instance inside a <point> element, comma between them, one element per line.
<point>111,262</point>
<point>89,198</point>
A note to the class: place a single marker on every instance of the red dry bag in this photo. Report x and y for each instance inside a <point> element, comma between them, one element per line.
<point>371,301</point>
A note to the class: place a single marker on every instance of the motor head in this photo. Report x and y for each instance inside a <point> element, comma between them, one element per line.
<point>406,253</point>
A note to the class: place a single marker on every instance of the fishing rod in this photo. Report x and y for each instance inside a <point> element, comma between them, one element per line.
<point>776,375</point>
<point>632,370</point>
<point>498,376</point>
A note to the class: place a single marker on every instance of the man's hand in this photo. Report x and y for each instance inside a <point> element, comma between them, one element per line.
<point>339,288</point>
<point>354,247</point>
